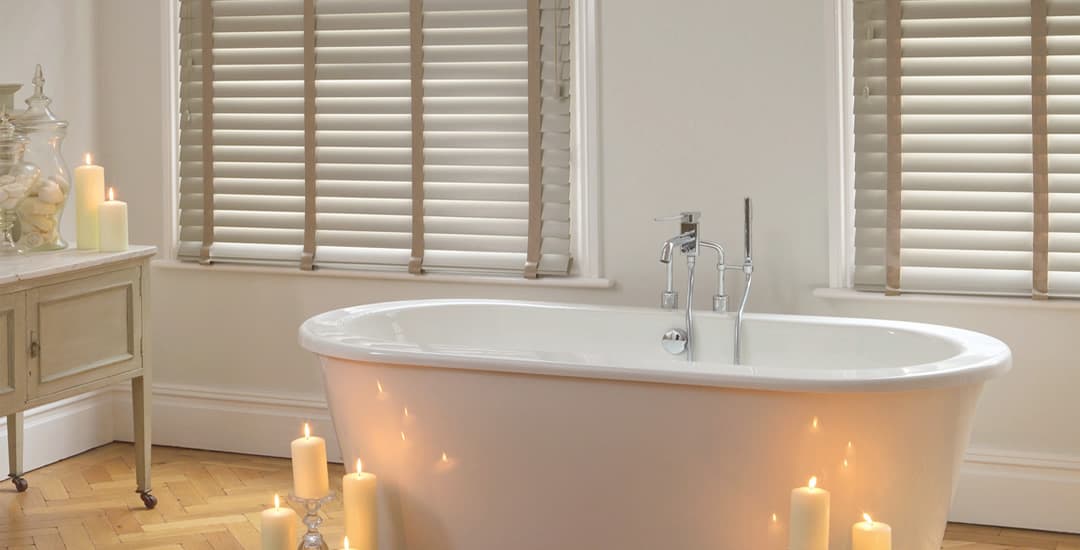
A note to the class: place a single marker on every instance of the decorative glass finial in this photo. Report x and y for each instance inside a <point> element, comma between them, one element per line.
<point>38,113</point>
<point>39,81</point>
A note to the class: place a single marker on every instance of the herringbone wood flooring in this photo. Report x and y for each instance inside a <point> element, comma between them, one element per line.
<point>211,501</point>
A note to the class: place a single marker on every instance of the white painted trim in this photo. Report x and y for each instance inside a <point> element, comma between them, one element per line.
<point>62,429</point>
<point>1025,490</point>
<point>235,421</point>
<point>839,138</point>
<point>1011,302</point>
<point>585,201</point>
<point>170,75</point>
<point>449,278</point>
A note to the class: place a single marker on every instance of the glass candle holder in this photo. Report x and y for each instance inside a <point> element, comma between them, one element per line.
<point>312,539</point>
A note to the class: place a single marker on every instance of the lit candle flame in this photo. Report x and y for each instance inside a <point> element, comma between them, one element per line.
<point>379,385</point>
<point>867,518</point>
<point>346,543</point>
<point>814,423</point>
<point>850,445</point>
<point>845,463</point>
<point>406,411</point>
<point>307,431</point>
<point>277,501</point>
<point>403,436</point>
<point>774,520</point>
<point>112,193</point>
<point>89,159</point>
<point>444,457</point>
<point>359,466</point>
<point>813,482</point>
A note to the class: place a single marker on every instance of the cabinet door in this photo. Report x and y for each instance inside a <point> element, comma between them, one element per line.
<point>13,352</point>
<point>87,329</point>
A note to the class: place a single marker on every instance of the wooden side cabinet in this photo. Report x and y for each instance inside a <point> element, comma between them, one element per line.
<point>73,322</point>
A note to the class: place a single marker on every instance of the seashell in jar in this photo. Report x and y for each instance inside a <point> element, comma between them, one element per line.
<point>38,207</point>
<point>41,224</point>
<point>33,239</point>
<point>50,193</point>
<point>30,182</point>
<point>63,183</point>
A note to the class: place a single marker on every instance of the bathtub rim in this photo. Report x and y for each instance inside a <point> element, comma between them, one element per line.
<point>982,358</point>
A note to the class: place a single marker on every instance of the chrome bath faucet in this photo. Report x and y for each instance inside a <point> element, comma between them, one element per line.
<point>688,241</point>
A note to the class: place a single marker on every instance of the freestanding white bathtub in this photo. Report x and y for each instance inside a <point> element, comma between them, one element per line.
<point>567,427</point>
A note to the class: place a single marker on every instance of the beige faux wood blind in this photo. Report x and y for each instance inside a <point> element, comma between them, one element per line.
<point>985,155</point>
<point>467,120</point>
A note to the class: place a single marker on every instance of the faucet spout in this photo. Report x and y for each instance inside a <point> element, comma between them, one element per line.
<point>666,252</point>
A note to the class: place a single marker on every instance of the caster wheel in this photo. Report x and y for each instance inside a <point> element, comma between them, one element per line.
<point>150,501</point>
<point>20,483</point>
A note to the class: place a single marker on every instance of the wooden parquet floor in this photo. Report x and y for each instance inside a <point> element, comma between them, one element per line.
<point>211,501</point>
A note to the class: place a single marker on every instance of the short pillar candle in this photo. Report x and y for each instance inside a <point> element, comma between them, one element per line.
<point>809,518</point>
<point>310,476</point>
<point>279,527</point>
<point>871,535</point>
<point>358,495</point>
<point>113,224</point>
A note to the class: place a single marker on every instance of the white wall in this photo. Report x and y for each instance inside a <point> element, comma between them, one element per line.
<point>58,35</point>
<point>689,120</point>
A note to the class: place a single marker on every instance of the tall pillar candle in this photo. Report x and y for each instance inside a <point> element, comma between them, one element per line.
<point>310,476</point>
<point>113,224</point>
<point>358,494</point>
<point>809,518</point>
<point>279,527</point>
<point>89,194</point>
<point>871,535</point>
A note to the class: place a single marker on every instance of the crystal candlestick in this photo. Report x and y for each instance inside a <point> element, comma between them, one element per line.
<point>312,539</point>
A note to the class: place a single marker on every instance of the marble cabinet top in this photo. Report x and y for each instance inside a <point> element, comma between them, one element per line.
<point>42,264</point>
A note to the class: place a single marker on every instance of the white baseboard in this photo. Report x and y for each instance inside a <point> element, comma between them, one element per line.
<point>59,430</point>
<point>1022,490</point>
<point>239,422</point>
<point>995,488</point>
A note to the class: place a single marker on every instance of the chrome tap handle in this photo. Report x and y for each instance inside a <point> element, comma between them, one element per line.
<point>682,217</point>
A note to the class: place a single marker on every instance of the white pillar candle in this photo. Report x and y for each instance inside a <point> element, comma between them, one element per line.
<point>310,476</point>
<point>809,518</point>
<point>358,494</point>
<point>113,224</point>
<point>89,194</point>
<point>279,527</point>
<point>871,535</point>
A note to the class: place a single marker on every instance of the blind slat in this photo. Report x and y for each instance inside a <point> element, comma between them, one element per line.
<point>475,134</point>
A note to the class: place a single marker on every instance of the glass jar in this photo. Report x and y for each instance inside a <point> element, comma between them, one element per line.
<point>40,212</point>
<point>16,179</point>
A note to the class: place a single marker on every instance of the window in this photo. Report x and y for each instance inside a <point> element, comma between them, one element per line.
<point>419,135</point>
<point>967,146</point>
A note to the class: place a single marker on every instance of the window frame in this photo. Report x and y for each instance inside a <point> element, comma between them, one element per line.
<point>840,139</point>
<point>585,222</point>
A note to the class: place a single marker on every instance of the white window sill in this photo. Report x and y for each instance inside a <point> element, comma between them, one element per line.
<point>852,295</point>
<point>551,282</point>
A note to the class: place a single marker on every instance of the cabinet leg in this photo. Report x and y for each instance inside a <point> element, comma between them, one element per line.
<point>15,451</point>
<point>140,398</point>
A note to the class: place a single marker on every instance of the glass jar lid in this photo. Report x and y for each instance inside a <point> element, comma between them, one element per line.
<point>38,115</point>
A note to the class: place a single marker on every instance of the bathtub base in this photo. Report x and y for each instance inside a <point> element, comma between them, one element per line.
<point>545,462</point>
